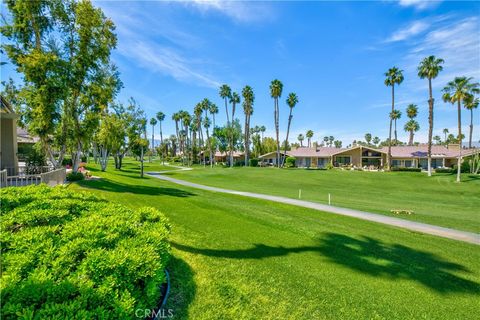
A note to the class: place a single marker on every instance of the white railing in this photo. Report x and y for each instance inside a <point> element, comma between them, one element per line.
<point>51,178</point>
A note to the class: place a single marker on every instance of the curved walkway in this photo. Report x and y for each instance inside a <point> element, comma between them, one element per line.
<point>454,234</point>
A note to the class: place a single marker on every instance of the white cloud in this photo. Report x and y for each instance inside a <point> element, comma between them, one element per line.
<point>413,29</point>
<point>240,11</point>
<point>419,4</point>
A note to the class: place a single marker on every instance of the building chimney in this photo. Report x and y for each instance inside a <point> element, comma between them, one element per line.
<point>315,146</point>
<point>453,146</point>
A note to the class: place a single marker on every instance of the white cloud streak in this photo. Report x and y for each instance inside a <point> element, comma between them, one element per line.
<point>413,29</point>
<point>419,4</point>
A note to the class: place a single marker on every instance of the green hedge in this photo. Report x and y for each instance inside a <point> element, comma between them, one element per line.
<point>70,255</point>
<point>445,170</point>
<point>253,162</point>
<point>406,169</point>
<point>75,176</point>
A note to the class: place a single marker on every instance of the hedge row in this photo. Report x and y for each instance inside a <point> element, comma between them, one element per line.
<point>69,255</point>
<point>406,169</point>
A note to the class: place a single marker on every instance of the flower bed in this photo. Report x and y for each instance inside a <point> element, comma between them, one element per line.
<point>72,255</point>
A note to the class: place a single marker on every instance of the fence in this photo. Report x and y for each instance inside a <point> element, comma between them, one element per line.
<point>51,178</point>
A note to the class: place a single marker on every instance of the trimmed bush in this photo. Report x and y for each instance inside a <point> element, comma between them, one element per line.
<point>75,176</point>
<point>444,170</point>
<point>464,167</point>
<point>329,166</point>
<point>253,162</point>
<point>406,169</point>
<point>71,255</point>
<point>290,162</point>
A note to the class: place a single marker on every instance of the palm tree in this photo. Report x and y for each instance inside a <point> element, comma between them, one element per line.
<point>368,138</point>
<point>300,139</point>
<point>213,112</point>
<point>176,117</point>
<point>376,141</point>
<point>429,68</point>
<point>225,94</point>
<point>471,103</point>
<point>309,136</point>
<point>437,139</point>
<point>276,88</point>
<point>160,118</point>
<point>445,132</point>
<point>153,123</point>
<point>248,98</point>
<point>292,101</point>
<point>330,140</point>
<point>325,140</point>
<point>395,115</point>
<point>412,111</point>
<point>458,91</point>
<point>206,124</point>
<point>394,76</point>
<point>197,111</point>
<point>234,100</point>
<point>262,131</point>
<point>411,126</point>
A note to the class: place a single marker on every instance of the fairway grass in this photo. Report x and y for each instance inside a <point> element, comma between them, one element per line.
<point>437,200</point>
<point>242,258</point>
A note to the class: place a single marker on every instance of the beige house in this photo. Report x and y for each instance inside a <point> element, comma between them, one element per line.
<point>8,138</point>
<point>371,158</point>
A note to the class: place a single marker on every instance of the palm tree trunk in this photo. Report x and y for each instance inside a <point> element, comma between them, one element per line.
<point>410,140</point>
<point>471,129</point>
<point>277,131</point>
<point>246,139</point>
<point>430,127</point>
<point>286,140</point>
<point>389,154</point>
<point>459,162</point>
<point>395,126</point>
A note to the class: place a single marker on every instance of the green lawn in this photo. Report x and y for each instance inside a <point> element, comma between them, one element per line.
<point>242,258</point>
<point>436,200</point>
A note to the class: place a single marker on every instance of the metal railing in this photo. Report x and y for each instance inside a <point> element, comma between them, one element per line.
<point>33,175</point>
<point>27,170</point>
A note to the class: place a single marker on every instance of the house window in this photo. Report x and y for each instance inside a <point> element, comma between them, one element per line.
<point>408,163</point>
<point>343,160</point>
<point>322,162</point>
<point>396,163</point>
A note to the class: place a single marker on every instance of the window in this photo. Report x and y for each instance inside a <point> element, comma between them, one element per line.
<point>322,162</point>
<point>343,160</point>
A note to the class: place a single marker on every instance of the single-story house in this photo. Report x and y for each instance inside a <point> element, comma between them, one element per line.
<point>25,143</point>
<point>8,137</point>
<point>222,156</point>
<point>368,157</point>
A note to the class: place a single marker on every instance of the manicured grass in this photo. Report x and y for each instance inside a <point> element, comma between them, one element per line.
<point>242,258</point>
<point>436,200</point>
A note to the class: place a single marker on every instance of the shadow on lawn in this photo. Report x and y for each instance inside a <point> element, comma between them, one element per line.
<point>369,256</point>
<point>108,185</point>
<point>182,288</point>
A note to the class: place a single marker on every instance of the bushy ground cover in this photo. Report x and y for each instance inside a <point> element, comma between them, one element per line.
<point>72,255</point>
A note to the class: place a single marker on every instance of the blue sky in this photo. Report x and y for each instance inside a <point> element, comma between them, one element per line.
<point>333,55</point>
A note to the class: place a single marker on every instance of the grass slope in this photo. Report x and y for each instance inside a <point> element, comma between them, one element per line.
<point>241,258</point>
<point>437,200</point>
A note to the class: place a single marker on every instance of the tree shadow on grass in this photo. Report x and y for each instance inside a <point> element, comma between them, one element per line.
<point>111,186</point>
<point>182,288</point>
<point>369,256</point>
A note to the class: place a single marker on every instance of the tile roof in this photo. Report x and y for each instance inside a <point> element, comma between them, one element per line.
<point>315,152</point>
<point>421,151</point>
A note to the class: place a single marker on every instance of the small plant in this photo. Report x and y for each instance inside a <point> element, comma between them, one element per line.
<point>253,162</point>
<point>329,166</point>
<point>444,170</point>
<point>290,162</point>
<point>34,161</point>
<point>75,176</point>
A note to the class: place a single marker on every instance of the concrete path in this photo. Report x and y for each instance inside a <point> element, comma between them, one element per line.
<point>465,236</point>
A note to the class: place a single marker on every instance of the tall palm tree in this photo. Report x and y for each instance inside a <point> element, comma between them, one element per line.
<point>262,131</point>
<point>309,136</point>
<point>292,101</point>
<point>368,138</point>
<point>153,123</point>
<point>225,94</point>
<point>213,112</point>
<point>160,117</point>
<point>198,111</point>
<point>457,91</point>
<point>276,88</point>
<point>376,140</point>
<point>412,111</point>
<point>176,117</point>
<point>445,132</point>
<point>394,76</point>
<point>325,141</point>
<point>471,103</point>
<point>248,99</point>
<point>330,140</point>
<point>411,127</point>
<point>300,138</point>
<point>234,100</point>
<point>429,68</point>
<point>395,115</point>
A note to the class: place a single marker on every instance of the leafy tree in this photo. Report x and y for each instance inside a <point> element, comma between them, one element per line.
<point>309,136</point>
<point>368,138</point>
<point>394,76</point>
<point>429,68</point>
<point>276,88</point>
<point>470,103</point>
<point>457,91</point>
<point>337,143</point>
<point>292,101</point>
<point>300,138</point>
<point>248,99</point>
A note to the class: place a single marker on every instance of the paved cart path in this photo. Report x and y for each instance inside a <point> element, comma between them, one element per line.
<point>392,221</point>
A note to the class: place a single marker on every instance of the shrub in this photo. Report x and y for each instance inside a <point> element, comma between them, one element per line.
<point>71,255</point>
<point>253,162</point>
<point>67,162</point>
<point>34,160</point>
<point>75,176</point>
<point>290,162</point>
<point>329,166</point>
<point>406,169</point>
<point>464,167</point>
<point>444,170</point>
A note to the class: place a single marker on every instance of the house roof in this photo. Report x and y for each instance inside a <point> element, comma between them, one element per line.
<point>315,152</point>
<point>421,151</point>
<point>225,154</point>
<point>24,137</point>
